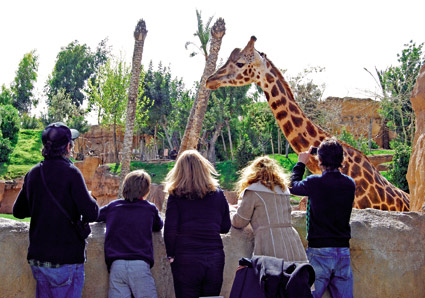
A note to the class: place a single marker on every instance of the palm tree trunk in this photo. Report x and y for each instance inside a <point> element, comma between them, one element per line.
<point>279,142</point>
<point>139,36</point>
<point>197,113</point>
<point>224,142</point>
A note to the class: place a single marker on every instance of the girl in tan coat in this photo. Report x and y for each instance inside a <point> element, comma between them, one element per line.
<point>262,189</point>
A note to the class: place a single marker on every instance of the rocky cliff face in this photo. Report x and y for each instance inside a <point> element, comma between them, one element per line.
<point>416,171</point>
<point>387,256</point>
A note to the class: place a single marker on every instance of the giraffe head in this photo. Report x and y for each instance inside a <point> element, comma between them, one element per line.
<point>242,68</point>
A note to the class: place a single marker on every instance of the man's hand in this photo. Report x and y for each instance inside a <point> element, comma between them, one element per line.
<point>304,156</point>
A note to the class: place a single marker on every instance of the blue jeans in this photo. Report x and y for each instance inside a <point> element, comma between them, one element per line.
<point>131,278</point>
<point>198,275</point>
<point>333,271</point>
<point>65,281</point>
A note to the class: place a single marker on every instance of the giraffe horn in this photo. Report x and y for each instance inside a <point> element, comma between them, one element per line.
<point>250,45</point>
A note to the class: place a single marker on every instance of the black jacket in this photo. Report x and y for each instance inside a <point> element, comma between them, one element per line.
<point>331,197</point>
<point>270,277</point>
<point>52,236</point>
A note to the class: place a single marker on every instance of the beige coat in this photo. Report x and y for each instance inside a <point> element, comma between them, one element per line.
<point>270,216</point>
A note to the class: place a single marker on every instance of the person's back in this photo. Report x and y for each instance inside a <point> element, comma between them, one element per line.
<point>128,239</point>
<point>56,250</point>
<point>197,212</point>
<point>330,202</point>
<point>264,203</point>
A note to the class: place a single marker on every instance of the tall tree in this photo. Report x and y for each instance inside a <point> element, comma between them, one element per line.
<point>197,113</point>
<point>75,64</point>
<point>60,109</point>
<point>23,85</point>
<point>139,36</point>
<point>397,84</point>
<point>108,94</point>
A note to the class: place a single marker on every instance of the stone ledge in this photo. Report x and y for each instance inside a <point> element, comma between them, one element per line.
<point>388,256</point>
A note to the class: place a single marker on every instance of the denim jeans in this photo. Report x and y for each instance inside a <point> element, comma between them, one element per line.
<point>333,271</point>
<point>198,275</point>
<point>65,281</point>
<point>131,278</point>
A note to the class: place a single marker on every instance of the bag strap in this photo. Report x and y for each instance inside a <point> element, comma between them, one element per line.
<point>51,195</point>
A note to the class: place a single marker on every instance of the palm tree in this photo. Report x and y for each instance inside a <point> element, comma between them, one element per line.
<point>197,113</point>
<point>139,36</point>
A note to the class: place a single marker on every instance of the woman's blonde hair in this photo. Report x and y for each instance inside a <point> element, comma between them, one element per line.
<point>192,176</point>
<point>265,170</point>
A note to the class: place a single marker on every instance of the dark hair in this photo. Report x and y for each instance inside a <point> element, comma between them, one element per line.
<point>330,153</point>
<point>136,185</point>
<point>51,151</point>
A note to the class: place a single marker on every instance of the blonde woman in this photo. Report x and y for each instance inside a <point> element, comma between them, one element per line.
<point>263,191</point>
<point>197,212</point>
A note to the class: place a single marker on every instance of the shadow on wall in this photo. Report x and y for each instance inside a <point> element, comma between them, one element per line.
<point>388,256</point>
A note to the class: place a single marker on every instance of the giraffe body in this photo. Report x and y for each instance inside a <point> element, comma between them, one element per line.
<point>250,66</point>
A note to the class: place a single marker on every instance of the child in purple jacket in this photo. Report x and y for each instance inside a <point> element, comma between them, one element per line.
<point>128,240</point>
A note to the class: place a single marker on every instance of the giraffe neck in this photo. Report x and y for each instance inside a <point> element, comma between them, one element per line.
<point>298,129</point>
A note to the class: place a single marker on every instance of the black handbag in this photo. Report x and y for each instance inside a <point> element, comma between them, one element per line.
<point>82,228</point>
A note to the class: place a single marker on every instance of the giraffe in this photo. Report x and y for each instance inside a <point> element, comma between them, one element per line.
<point>250,66</point>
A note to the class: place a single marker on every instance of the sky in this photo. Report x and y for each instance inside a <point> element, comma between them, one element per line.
<point>344,37</point>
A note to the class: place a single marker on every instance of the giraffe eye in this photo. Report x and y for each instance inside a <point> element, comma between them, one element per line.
<point>240,65</point>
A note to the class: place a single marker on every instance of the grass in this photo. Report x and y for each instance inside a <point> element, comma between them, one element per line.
<point>157,171</point>
<point>10,216</point>
<point>381,151</point>
<point>24,156</point>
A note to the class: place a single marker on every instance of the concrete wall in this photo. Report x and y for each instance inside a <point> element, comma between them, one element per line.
<point>388,256</point>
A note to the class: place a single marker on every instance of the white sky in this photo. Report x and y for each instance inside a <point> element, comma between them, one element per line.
<point>342,36</point>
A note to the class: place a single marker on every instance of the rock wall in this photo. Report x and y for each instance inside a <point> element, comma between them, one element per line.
<point>387,248</point>
<point>416,171</point>
<point>355,115</point>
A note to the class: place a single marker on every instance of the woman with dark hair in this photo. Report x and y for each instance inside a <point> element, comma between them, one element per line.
<point>197,213</point>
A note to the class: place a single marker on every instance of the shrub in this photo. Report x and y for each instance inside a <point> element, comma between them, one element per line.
<point>9,123</point>
<point>29,122</point>
<point>5,149</point>
<point>398,169</point>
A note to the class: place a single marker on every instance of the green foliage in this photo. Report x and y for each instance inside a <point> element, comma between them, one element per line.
<point>60,108</point>
<point>9,123</point>
<point>398,169</point>
<point>245,152</point>
<point>23,85</point>
<point>30,122</point>
<point>203,34</point>
<point>78,122</point>
<point>5,148</point>
<point>6,96</point>
<point>75,64</point>
<point>24,156</point>
<point>361,143</point>
<point>397,83</point>
<point>108,93</point>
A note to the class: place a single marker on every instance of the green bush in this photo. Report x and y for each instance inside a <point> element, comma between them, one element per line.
<point>29,122</point>
<point>9,123</point>
<point>5,149</point>
<point>398,169</point>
